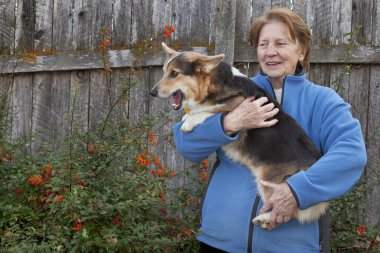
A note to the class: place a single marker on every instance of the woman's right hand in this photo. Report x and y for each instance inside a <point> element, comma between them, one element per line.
<point>250,113</point>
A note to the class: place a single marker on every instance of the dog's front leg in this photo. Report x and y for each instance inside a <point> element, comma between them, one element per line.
<point>263,220</point>
<point>193,120</point>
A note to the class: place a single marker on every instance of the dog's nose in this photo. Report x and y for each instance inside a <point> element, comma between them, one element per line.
<point>153,92</point>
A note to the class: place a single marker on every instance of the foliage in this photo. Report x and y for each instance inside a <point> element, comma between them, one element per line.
<point>107,190</point>
<point>102,192</point>
<point>348,232</point>
<point>352,38</point>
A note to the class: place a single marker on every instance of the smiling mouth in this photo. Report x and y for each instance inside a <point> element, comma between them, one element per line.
<point>177,100</point>
<point>273,63</point>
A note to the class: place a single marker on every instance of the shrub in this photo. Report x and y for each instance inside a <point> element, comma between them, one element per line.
<point>110,194</point>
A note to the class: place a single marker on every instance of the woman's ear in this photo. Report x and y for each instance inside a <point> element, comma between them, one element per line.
<point>302,54</point>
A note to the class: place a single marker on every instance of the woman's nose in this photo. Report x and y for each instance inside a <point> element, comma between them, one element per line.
<point>271,50</point>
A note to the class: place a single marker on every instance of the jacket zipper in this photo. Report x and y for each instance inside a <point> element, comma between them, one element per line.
<point>204,193</point>
<point>251,225</point>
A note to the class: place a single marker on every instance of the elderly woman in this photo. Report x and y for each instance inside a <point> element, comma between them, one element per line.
<point>282,41</point>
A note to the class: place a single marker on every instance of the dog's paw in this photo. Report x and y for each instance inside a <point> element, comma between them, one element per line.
<point>187,126</point>
<point>263,221</point>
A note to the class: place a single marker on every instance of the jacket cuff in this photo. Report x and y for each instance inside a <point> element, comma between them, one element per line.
<point>294,194</point>
<point>299,185</point>
<point>221,123</point>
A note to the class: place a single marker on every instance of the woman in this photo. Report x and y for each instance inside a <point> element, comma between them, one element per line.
<point>282,41</point>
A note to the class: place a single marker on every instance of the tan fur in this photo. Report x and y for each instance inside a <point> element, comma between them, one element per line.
<point>196,88</point>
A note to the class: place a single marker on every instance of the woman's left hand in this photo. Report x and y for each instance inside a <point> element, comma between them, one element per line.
<point>282,202</point>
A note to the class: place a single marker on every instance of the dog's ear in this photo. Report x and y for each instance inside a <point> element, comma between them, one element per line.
<point>208,63</point>
<point>168,51</point>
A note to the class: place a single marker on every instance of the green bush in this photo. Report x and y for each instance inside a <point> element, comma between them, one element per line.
<point>108,195</point>
<point>101,191</point>
<point>348,231</point>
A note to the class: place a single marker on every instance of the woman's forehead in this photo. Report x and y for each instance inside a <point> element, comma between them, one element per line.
<point>275,30</point>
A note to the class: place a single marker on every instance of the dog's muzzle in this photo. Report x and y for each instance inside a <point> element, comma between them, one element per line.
<point>153,92</point>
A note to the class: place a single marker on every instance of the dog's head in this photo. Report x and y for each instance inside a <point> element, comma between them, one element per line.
<point>186,77</point>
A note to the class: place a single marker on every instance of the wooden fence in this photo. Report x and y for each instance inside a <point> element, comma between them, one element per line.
<point>49,46</point>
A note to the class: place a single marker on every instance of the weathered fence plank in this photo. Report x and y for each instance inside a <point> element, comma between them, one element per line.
<point>41,110</point>
<point>83,25</point>
<point>142,23</point>
<point>25,26</point>
<point>192,21</point>
<point>21,109</point>
<point>126,58</point>
<point>243,21</point>
<point>320,74</point>
<point>60,119</point>
<point>363,15</point>
<point>7,28</point>
<point>102,95</point>
<point>225,29</point>
<point>122,12</point>
<point>341,21</point>
<point>62,39</point>
<point>79,99</point>
<point>43,25</point>
<point>376,41</point>
<point>373,150</point>
<point>358,94</point>
<point>6,82</point>
<point>42,81</point>
<point>102,91</point>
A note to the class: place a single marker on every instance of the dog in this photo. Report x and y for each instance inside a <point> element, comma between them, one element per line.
<point>205,85</point>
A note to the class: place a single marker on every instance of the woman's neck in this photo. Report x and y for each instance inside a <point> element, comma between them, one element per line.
<point>277,83</point>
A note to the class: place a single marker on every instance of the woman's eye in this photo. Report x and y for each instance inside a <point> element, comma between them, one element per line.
<point>173,74</point>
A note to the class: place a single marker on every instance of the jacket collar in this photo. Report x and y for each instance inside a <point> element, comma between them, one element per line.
<point>293,86</point>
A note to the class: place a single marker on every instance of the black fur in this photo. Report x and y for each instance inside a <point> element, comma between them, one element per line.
<point>284,143</point>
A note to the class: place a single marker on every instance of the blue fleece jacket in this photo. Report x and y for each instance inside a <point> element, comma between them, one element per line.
<point>227,207</point>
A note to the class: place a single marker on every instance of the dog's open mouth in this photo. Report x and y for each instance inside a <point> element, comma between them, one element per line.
<point>177,100</point>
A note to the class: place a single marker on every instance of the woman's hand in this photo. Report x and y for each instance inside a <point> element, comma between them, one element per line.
<point>282,202</point>
<point>250,113</point>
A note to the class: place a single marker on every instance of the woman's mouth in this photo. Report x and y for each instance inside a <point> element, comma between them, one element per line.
<point>272,64</point>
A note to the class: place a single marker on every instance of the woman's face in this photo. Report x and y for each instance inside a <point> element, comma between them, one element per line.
<point>277,53</point>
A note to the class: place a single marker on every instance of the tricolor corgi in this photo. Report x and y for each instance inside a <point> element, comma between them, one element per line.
<point>205,85</point>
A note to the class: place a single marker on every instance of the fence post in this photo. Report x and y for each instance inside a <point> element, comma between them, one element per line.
<point>225,29</point>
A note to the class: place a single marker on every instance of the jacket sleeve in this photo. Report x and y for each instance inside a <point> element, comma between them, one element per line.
<point>344,159</point>
<point>203,140</point>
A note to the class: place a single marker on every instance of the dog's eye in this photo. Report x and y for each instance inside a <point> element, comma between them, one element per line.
<point>173,74</point>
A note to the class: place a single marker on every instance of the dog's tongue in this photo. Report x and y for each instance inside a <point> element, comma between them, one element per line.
<point>177,99</point>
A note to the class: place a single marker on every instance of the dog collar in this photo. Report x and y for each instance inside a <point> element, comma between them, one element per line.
<point>186,110</point>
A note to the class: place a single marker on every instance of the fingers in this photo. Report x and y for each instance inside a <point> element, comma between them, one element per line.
<point>279,219</point>
<point>268,107</point>
<point>287,218</point>
<point>266,207</point>
<point>261,101</point>
<point>269,123</point>
<point>273,220</point>
<point>252,113</point>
